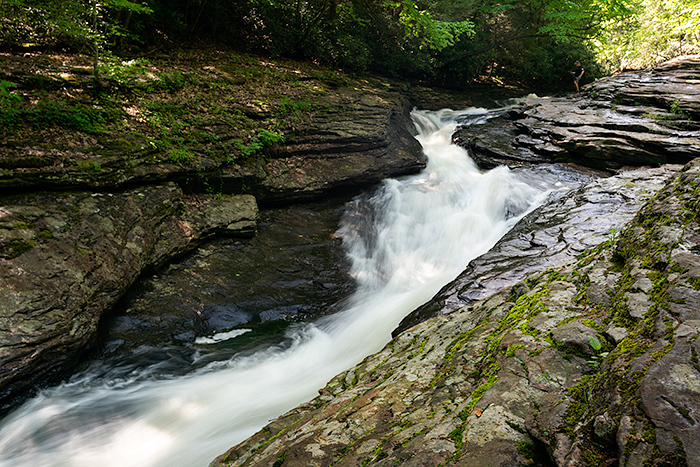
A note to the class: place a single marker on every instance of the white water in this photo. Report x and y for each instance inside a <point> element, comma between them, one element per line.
<point>423,230</point>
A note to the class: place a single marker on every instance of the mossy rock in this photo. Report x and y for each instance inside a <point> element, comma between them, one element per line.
<point>29,162</point>
<point>128,144</point>
<point>14,248</point>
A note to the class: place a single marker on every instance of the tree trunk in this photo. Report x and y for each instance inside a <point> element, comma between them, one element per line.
<point>95,43</point>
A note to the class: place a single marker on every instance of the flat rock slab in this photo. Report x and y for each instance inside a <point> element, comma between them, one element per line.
<point>630,119</point>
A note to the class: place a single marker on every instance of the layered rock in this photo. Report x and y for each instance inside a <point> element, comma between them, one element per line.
<point>337,132</point>
<point>369,138</point>
<point>592,362</point>
<point>630,119</point>
<point>66,258</point>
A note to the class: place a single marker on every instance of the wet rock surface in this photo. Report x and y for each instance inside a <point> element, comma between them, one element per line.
<point>68,257</point>
<point>532,373</point>
<point>294,269</point>
<point>589,362</point>
<point>560,229</point>
<point>498,378</point>
<point>630,119</point>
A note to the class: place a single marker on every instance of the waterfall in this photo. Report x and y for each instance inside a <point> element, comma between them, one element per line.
<point>405,241</point>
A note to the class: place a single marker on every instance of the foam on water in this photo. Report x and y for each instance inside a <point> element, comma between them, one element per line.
<point>406,241</point>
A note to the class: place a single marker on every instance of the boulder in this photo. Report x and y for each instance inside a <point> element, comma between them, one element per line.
<point>66,258</point>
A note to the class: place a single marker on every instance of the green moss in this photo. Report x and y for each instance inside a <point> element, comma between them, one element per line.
<point>280,460</point>
<point>694,358</point>
<point>649,433</point>
<point>457,436</point>
<point>14,248</point>
<point>581,401</point>
<point>355,378</point>
<point>45,234</point>
<point>680,451</point>
<point>592,324</point>
<point>592,456</point>
<point>89,166</point>
<point>479,391</point>
<point>512,349</point>
<point>414,435</point>
<point>526,449</point>
<point>277,435</point>
<point>516,427</point>
<point>630,443</point>
<point>340,453</point>
<point>518,317</point>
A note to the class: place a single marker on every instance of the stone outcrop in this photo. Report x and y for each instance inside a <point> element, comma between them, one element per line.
<point>367,140</point>
<point>584,363</point>
<point>293,269</point>
<point>66,258</point>
<point>630,119</point>
<point>342,134</point>
<point>591,362</point>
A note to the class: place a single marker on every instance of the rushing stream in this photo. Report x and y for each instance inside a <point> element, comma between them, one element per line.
<point>406,241</point>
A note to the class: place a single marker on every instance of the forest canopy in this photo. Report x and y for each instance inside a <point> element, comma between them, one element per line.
<point>452,42</point>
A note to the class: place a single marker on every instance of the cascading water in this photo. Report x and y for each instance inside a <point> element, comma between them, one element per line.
<point>406,241</point>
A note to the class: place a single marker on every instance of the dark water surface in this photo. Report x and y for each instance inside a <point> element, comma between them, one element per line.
<point>293,270</point>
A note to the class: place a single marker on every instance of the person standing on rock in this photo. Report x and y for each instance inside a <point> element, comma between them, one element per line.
<point>577,73</point>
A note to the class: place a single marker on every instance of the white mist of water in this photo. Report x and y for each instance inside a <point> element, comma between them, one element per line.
<point>420,233</point>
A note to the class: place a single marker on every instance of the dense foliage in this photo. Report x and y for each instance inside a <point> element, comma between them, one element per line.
<point>527,42</point>
<point>659,30</point>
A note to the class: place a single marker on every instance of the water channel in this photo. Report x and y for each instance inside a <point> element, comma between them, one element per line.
<point>216,381</point>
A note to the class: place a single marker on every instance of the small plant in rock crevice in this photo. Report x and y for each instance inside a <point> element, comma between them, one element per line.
<point>676,109</point>
<point>596,359</point>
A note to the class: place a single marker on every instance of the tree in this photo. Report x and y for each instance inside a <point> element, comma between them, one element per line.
<point>433,33</point>
<point>528,41</point>
<point>81,23</point>
<point>657,31</point>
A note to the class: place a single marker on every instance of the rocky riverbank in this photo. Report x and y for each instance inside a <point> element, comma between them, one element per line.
<point>68,257</point>
<point>184,160</point>
<point>647,117</point>
<point>555,366</point>
<point>592,361</point>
